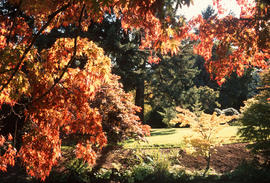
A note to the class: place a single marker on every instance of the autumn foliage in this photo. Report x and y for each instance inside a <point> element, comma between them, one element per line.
<point>241,42</point>
<point>62,98</point>
<point>119,119</point>
<point>8,158</point>
<point>59,96</point>
<point>206,128</point>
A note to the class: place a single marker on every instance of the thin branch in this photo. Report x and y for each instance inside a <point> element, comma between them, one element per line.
<point>69,63</point>
<point>176,7</point>
<point>50,18</point>
<point>15,133</point>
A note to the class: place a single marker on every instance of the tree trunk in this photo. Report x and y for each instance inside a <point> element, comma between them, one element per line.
<point>139,98</point>
<point>208,158</point>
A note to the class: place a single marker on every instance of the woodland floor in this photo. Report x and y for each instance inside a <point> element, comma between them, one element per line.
<point>227,158</point>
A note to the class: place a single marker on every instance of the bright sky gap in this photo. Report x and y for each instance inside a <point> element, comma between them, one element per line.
<point>201,5</point>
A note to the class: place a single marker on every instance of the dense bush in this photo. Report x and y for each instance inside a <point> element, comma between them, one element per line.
<point>155,118</point>
<point>248,173</point>
<point>167,115</point>
<point>255,119</point>
<point>119,119</point>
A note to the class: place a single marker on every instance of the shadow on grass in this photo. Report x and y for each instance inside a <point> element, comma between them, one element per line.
<point>169,131</point>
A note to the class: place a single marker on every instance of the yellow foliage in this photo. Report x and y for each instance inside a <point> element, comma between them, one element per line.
<point>206,128</point>
<point>184,117</point>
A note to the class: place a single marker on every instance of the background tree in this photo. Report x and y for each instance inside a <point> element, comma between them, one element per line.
<point>236,90</point>
<point>171,83</point>
<point>166,82</point>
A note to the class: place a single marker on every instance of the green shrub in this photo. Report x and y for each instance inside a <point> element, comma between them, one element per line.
<point>155,118</point>
<point>198,99</point>
<point>161,164</point>
<point>76,170</point>
<point>142,172</point>
<point>255,120</point>
<point>103,174</point>
<point>153,166</point>
<point>167,115</point>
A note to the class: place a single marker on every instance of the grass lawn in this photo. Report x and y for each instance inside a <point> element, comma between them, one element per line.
<point>172,137</point>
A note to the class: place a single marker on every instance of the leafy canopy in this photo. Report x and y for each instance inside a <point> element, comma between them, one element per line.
<point>57,94</point>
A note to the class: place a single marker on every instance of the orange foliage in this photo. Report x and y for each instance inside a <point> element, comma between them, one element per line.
<point>8,158</point>
<point>59,95</point>
<point>65,107</point>
<point>242,42</point>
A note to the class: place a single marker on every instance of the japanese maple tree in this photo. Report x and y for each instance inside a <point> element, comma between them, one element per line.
<point>206,127</point>
<point>59,95</point>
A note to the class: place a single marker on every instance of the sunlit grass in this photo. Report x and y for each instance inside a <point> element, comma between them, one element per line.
<point>173,137</point>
